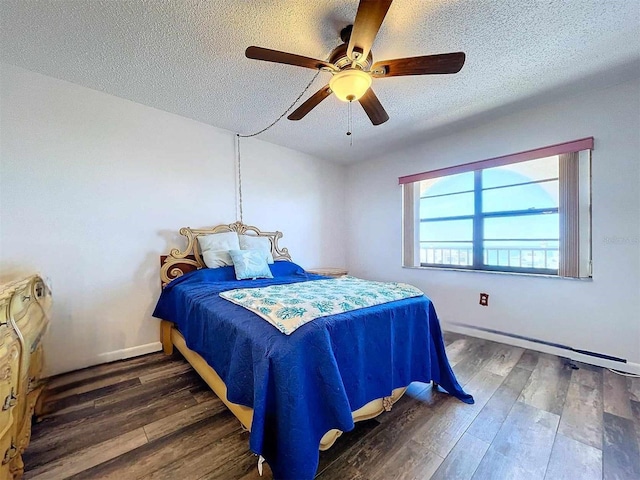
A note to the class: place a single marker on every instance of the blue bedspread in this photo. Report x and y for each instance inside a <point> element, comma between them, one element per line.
<point>304,384</point>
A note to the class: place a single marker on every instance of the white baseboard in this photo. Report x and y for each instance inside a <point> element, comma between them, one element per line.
<point>128,352</point>
<point>517,342</point>
<point>101,358</point>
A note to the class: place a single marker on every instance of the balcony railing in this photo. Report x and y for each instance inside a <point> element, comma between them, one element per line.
<point>544,258</point>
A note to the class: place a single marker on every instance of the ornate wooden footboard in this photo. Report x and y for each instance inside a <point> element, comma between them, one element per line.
<point>172,337</point>
<point>179,262</point>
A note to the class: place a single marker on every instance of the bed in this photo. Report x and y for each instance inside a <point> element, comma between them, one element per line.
<point>295,393</point>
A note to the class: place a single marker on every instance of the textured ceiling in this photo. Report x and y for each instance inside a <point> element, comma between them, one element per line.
<point>187,57</point>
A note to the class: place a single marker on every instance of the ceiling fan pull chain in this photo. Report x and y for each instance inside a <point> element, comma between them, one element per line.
<point>350,126</point>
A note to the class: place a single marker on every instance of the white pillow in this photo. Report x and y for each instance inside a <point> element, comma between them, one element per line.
<point>215,248</point>
<point>263,244</point>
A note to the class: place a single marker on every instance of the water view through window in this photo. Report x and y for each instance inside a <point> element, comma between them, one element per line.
<point>503,218</point>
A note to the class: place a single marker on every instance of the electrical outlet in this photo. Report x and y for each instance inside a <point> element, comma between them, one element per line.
<point>484,299</point>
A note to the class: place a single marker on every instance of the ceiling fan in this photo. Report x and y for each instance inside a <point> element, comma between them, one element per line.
<point>352,67</point>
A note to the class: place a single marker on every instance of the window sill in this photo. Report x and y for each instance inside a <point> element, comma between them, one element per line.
<point>494,272</point>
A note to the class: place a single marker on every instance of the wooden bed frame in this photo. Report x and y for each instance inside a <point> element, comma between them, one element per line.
<point>179,262</point>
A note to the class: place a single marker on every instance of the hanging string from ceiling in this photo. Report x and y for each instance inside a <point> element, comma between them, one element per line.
<point>239,136</point>
<point>239,184</point>
<point>285,112</point>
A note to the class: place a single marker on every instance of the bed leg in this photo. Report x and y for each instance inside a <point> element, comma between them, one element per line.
<point>165,337</point>
<point>435,385</point>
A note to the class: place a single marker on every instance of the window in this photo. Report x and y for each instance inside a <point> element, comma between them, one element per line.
<point>525,213</point>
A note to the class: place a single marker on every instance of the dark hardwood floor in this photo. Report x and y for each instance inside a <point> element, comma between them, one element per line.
<point>535,417</point>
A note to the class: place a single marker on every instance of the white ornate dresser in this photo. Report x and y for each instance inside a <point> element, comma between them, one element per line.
<point>24,313</point>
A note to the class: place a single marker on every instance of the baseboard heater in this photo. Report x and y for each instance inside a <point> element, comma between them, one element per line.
<point>543,342</point>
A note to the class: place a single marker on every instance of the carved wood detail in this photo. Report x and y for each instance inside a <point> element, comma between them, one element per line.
<point>179,262</point>
<point>24,315</point>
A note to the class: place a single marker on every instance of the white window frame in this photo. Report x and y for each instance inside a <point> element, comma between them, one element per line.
<point>574,210</point>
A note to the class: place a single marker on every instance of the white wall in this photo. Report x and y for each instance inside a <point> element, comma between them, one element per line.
<point>602,315</point>
<point>93,188</point>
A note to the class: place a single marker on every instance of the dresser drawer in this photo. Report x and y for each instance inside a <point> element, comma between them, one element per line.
<point>9,364</point>
<point>35,369</point>
<point>24,307</point>
<point>6,453</point>
<point>33,326</point>
<point>20,301</point>
<point>7,334</point>
<point>28,306</point>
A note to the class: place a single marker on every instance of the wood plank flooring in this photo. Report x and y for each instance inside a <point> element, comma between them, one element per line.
<point>535,417</point>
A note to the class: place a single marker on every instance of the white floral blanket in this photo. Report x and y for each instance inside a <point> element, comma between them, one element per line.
<point>290,306</point>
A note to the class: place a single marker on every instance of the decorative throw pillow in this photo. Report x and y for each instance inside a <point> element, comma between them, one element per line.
<point>251,242</point>
<point>215,248</point>
<point>284,268</point>
<point>250,264</point>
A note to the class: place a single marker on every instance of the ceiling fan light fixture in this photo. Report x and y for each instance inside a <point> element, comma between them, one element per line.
<point>350,85</point>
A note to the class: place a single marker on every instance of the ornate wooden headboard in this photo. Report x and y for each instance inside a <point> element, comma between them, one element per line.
<point>179,262</point>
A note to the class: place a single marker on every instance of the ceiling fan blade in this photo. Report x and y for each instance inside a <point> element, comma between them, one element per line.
<point>268,55</point>
<point>310,103</point>
<point>373,108</point>
<point>370,15</point>
<point>425,65</point>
